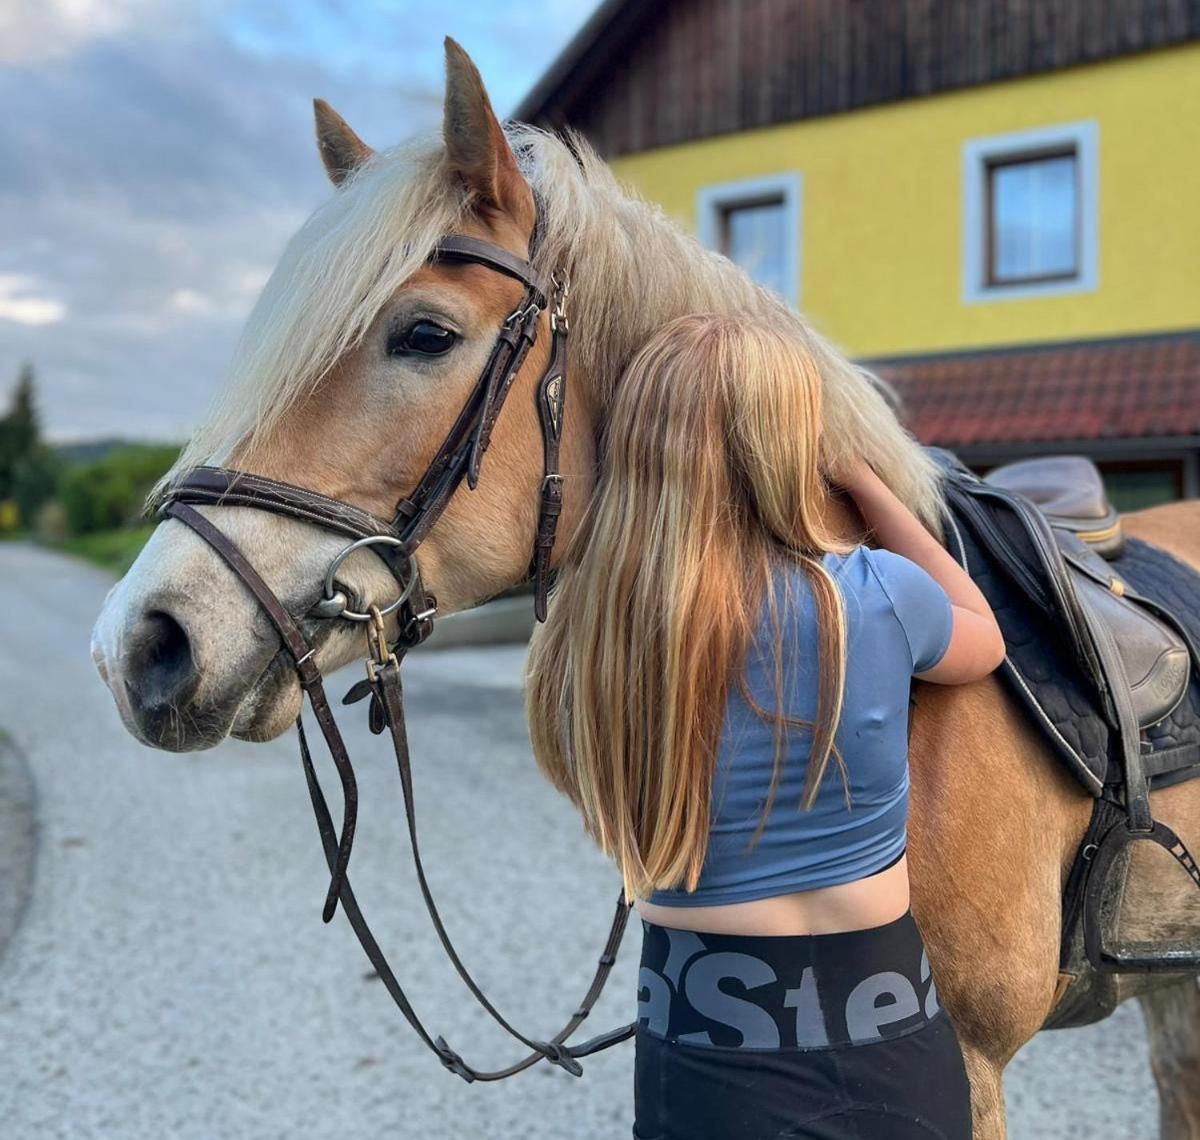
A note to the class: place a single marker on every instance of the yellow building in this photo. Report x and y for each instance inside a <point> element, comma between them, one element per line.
<point>995,203</point>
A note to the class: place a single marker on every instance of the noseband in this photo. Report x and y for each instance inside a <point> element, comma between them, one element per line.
<point>396,542</point>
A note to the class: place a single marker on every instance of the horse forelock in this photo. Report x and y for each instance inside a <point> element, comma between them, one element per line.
<point>632,270</point>
<point>334,277</point>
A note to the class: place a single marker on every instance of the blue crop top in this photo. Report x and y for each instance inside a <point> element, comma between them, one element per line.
<point>898,622</point>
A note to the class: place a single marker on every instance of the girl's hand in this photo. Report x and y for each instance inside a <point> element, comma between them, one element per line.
<point>976,645</point>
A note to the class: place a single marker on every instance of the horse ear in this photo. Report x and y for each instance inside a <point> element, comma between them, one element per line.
<point>342,150</point>
<point>478,152</point>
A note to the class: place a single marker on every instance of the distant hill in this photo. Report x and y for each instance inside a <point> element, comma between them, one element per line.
<point>90,450</point>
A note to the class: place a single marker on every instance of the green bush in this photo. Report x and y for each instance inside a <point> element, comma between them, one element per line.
<point>115,550</point>
<point>109,493</point>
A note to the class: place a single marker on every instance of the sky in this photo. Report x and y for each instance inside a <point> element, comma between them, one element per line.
<point>156,155</point>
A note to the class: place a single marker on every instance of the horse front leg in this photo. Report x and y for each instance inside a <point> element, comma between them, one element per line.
<point>1173,1027</point>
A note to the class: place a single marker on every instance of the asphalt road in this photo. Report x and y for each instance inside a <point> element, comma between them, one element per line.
<point>170,979</point>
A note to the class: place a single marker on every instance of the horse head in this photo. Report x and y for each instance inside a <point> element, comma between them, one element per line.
<point>354,364</point>
<point>356,361</point>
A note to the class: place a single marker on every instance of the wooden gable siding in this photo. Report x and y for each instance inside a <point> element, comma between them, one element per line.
<point>651,74</point>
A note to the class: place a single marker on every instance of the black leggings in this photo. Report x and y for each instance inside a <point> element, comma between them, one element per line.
<point>814,1037</point>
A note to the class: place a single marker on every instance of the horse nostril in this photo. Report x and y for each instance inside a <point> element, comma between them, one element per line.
<point>162,670</point>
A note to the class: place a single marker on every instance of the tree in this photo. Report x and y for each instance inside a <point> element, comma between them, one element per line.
<point>35,481</point>
<point>23,421</point>
<point>28,469</point>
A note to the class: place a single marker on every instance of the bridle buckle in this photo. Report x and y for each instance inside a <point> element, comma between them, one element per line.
<point>520,315</point>
<point>381,653</point>
<point>558,315</point>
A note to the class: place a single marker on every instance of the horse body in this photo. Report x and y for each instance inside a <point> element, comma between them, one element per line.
<point>322,400</point>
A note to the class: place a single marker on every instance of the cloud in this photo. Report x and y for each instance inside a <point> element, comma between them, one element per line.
<point>20,302</point>
<point>32,31</point>
<point>154,160</point>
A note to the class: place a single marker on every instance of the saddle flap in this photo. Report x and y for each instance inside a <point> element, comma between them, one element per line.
<point>1070,492</point>
<point>1156,659</point>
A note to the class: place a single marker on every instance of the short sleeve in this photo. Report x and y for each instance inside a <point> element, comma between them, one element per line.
<point>921,606</point>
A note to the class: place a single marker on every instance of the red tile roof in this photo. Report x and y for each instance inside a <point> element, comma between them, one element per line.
<point>1144,387</point>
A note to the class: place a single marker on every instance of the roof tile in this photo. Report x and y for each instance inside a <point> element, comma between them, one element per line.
<point>1100,390</point>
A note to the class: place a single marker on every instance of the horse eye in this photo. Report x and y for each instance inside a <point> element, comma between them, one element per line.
<point>424,338</point>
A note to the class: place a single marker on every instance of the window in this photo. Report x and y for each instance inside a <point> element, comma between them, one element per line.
<point>1029,214</point>
<point>757,225</point>
<point>1033,219</point>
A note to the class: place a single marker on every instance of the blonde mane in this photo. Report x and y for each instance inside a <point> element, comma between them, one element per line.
<point>632,271</point>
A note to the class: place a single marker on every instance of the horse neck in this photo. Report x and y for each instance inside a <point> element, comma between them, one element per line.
<point>634,272</point>
<point>673,276</point>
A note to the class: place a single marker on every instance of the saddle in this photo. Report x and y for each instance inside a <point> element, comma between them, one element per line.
<point>1111,675</point>
<point>1086,531</point>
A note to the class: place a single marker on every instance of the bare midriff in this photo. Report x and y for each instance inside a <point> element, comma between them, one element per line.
<point>873,901</point>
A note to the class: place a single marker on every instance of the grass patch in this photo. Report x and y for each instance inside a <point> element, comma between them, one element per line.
<point>113,550</point>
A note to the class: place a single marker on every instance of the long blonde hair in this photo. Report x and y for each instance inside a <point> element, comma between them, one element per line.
<point>709,479</point>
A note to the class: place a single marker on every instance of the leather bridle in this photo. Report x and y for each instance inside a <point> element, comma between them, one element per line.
<point>458,458</point>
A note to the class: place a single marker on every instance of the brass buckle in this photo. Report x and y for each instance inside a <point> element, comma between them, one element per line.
<point>558,315</point>
<point>381,653</point>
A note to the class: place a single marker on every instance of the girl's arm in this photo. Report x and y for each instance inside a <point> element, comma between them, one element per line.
<point>976,644</point>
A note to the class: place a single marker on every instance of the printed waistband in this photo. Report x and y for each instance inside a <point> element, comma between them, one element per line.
<point>765,992</point>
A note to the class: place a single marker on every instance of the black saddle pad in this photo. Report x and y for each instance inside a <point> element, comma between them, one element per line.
<point>1043,671</point>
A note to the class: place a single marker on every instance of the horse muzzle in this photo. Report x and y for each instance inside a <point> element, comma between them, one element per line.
<point>166,700</point>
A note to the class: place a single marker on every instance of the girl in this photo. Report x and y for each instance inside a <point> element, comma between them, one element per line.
<point>722,689</point>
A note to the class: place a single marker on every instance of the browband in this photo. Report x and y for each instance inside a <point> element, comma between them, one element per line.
<point>459,247</point>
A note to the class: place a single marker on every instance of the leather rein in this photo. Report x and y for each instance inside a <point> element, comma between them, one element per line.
<point>458,458</point>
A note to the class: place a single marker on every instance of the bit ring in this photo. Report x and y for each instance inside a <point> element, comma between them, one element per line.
<point>330,591</point>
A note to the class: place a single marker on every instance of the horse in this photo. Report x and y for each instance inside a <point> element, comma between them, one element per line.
<point>352,367</point>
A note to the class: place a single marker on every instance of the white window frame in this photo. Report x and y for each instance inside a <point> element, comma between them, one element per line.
<point>713,201</point>
<point>977,155</point>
